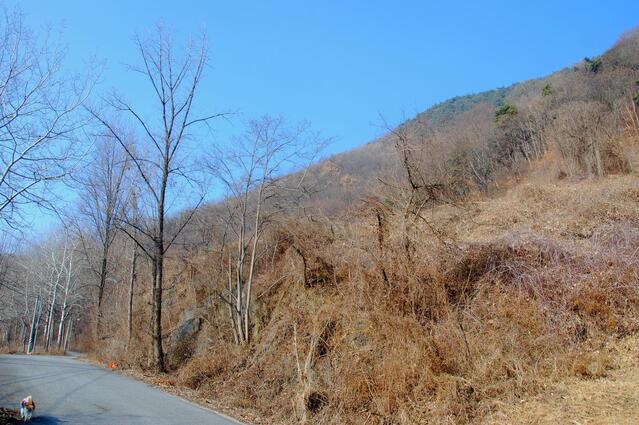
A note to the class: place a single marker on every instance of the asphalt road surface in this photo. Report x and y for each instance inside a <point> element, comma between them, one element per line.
<point>67,391</point>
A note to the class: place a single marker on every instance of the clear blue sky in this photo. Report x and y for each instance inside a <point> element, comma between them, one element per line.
<point>339,64</point>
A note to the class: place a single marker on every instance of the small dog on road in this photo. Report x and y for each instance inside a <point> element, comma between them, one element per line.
<point>27,406</point>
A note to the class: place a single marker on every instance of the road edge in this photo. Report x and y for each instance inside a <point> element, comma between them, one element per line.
<point>134,375</point>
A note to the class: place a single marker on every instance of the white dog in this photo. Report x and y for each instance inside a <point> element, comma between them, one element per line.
<point>27,406</point>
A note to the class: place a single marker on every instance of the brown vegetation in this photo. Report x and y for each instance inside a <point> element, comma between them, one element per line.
<point>541,279</point>
<point>607,400</point>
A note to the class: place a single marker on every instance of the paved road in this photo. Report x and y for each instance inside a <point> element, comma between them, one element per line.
<point>67,391</point>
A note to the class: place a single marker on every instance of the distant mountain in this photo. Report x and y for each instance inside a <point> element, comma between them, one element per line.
<point>346,177</point>
<point>445,112</point>
<point>341,181</point>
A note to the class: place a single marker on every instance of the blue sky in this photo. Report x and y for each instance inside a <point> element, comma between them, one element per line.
<point>339,64</point>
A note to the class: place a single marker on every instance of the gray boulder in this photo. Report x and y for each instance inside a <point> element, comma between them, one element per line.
<point>183,340</point>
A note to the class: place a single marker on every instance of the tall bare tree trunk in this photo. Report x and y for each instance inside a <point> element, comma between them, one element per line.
<point>232,312</point>
<point>60,329</point>
<point>101,284</point>
<point>132,279</point>
<point>66,338</point>
<point>50,318</point>
<point>249,284</point>
<point>63,319</point>
<point>34,325</point>
<point>241,248</point>
<point>159,267</point>
<point>46,327</point>
<point>158,350</point>
<point>37,323</point>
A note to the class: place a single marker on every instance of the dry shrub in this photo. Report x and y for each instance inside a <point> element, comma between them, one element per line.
<point>444,343</point>
<point>11,349</point>
<point>590,138</point>
<point>618,237</point>
<point>207,367</point>
<point>615,157</point>
<point>514,259</point>
<point>592,365</point>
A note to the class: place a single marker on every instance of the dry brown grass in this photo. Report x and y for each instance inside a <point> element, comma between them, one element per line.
<point>493,309</point>
<point>525,302</point>
<point>37,351</point>
<point>10,350</point>
<point>606,400</point>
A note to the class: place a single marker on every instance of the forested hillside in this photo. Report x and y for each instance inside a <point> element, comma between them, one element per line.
<point>463,138</point>
<point>473,257</point>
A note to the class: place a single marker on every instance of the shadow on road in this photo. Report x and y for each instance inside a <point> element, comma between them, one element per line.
<point>45,420</point>
<point>10,417</point>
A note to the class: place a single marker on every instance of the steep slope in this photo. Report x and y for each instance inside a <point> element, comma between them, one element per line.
<point>529,299</point>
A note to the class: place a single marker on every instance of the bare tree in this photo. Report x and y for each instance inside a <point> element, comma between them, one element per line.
<point>160,159</point>
<point>104,192</point>
<point>580,132</point>
<point>39,118</point>
<point>71,298</point>
<point>133,274</point>
<point>51,288</point>
<point>253,172</point>
<point>60,273</point>
<point>18,290</point>
<point>33,333</point>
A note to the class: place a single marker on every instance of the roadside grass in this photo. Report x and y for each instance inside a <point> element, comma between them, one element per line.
<point>611,399</point>
<point>37,352</point>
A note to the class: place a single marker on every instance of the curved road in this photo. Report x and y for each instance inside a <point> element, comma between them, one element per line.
<point>67,391</point>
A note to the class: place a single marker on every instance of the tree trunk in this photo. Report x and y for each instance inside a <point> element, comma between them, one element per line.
<point>158,266</point>
<point>37,323</point>
<point>46,327</point>
<point>132,279</point>
<point>51,318</point>
<point>63,317</point>
<point>66,338</point>
<point>34,326</point>
<point>158,350</point>
<point>232,312</point>
<point>101,285</point>
<point>249,284</point>
<point>598,162</point>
